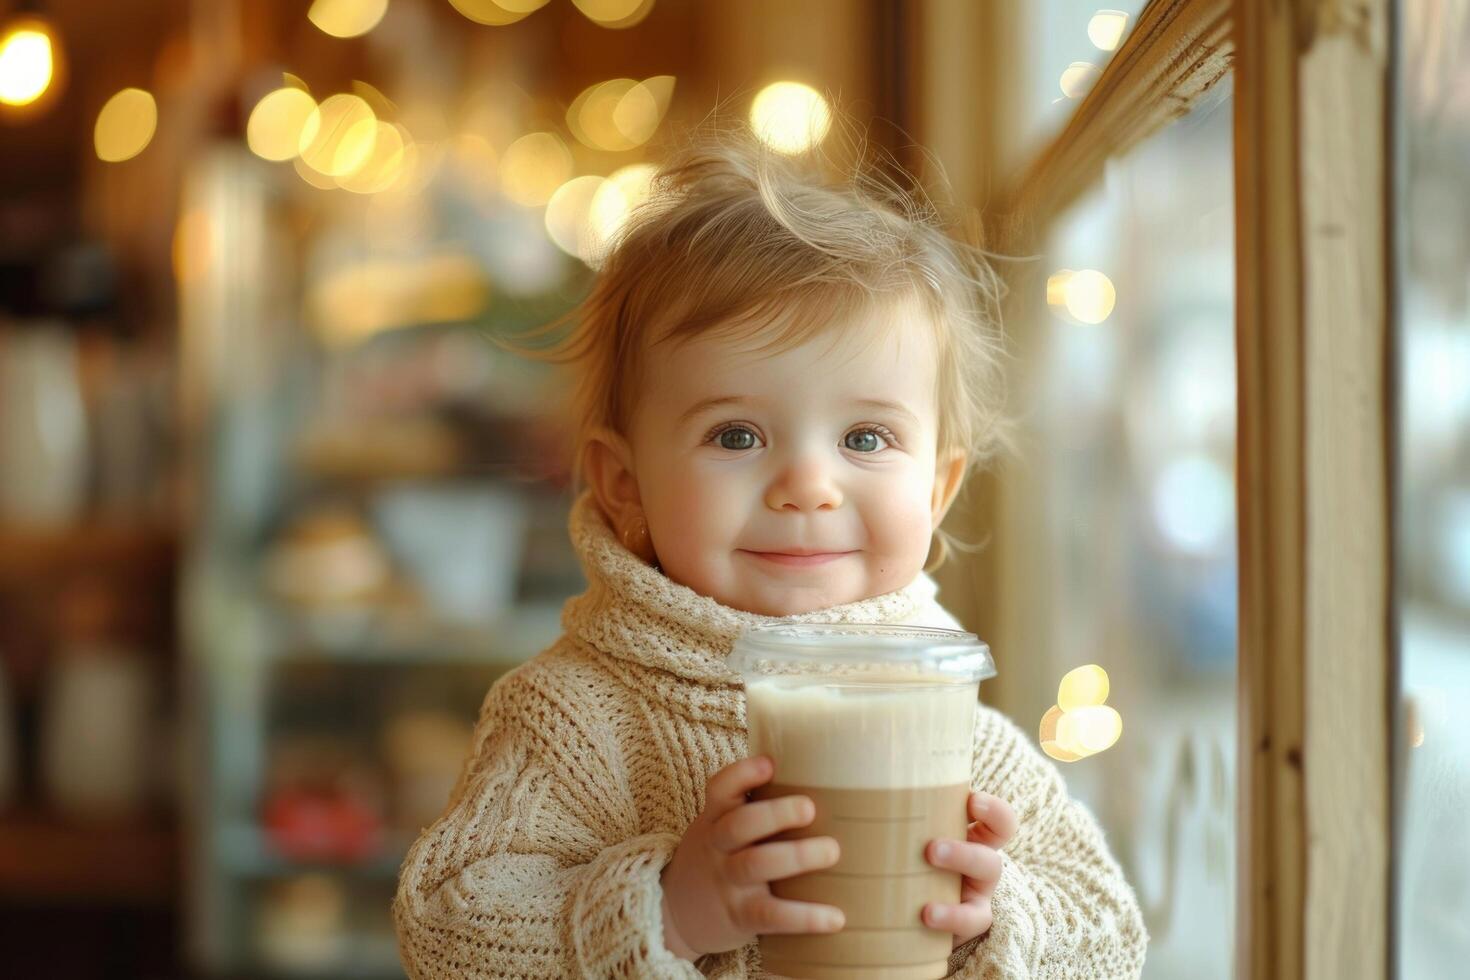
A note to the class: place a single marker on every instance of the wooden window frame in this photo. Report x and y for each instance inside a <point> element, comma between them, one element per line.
<point>1319,719</point>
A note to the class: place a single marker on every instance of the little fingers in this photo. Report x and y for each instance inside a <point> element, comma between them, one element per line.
<point>965,920</point>
<point>782,859</point>
<point>768,915</point>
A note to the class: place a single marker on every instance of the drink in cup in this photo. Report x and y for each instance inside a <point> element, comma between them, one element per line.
<point>875,724</point>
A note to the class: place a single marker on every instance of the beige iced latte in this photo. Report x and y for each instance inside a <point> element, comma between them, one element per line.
<point>886,758</point>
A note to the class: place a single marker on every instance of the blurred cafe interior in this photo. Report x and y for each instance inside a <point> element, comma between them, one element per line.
<point>275,511</point>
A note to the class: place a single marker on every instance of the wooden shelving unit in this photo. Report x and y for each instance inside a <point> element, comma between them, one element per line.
<point>28,554</point>
<point>45,857</point>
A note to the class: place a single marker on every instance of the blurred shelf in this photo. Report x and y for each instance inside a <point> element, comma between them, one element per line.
<point>43,856</point>
<point>246,852</point>
<point>366,636</point>
<point>27,553</point>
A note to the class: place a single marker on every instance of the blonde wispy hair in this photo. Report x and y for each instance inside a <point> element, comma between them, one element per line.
<point>740,240</point>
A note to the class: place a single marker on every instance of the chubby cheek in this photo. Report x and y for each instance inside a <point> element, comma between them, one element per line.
<point>694,523</point>
<point>899,535</point>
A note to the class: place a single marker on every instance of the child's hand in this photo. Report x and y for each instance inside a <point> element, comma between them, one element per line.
<point>716,892</point>
<point>978,860</point>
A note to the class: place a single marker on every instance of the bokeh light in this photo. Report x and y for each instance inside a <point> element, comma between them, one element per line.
<point>381,105</point>
<point>27,63</point>
<point>1078,79</point>
<point>1056,289</point>
<point>383,165</point>
<point>1083,687</point>
<point>639,112</point>
<point>1083,296</point>
<point>273,131</point>
<point>1105,29</point>
<point>496,13</point>
<point>623,191</point>
<point>1080,724</point>
<point>533,167</point>
<point>590,116</point>
<point>1089,296</point>
<point>338,136</point>
<point>1088,731</point>
<point>568,217</point>
<point>1048,737</point>
<point>790,117</point>
<point>347,18</point>
<point>615,14</point>
<point>619,114</point>
<point>125,125</point>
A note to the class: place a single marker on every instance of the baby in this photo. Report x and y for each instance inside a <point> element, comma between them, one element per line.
<point>781,385</point>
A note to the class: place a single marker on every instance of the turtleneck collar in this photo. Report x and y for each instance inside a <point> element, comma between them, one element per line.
<point>638,617</point>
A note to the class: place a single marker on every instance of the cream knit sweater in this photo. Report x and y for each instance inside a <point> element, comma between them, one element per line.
<point>590,760</point>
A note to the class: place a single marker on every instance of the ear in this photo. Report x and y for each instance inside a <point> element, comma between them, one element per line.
<point>949,472</point>
<point>607,462</point>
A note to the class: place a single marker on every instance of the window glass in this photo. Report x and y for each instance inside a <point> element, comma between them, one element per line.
<point>1434,486</point>
<point>1067,44</point>
<point>1126,481</point>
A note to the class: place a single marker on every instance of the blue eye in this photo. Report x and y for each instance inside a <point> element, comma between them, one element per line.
<point>736,438</point>
<point>864,440</point>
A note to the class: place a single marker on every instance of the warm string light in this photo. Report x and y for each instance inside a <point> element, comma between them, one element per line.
<point>350,141</point>
<point>28,61</point>
<point>125,126</point>
<point>338,137</point>
<point>620,114</point>
<point>497,13</point>
<point>569,217</point>
<point>273,131</point>
<point>614,14</point>
<point>340,144</point>
<point>347,18</point>
<point>533,167</point>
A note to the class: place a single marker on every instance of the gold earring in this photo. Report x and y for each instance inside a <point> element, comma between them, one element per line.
<point>636,538</point>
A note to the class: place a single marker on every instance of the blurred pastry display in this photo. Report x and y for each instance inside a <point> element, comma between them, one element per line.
<point>419,446</point>
<point>423,751</point>
<point>328,556</point>
<point>301,925</point>
<point>321,804</point>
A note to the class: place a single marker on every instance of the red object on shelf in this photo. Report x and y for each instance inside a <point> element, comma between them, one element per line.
<point>316,825</point>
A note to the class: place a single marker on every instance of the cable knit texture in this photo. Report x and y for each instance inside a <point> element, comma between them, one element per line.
<point>590,761</point>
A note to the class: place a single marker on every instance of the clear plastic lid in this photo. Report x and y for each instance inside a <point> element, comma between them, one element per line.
<point>861,652</point>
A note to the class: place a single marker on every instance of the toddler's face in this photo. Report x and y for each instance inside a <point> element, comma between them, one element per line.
<point>743,459</point>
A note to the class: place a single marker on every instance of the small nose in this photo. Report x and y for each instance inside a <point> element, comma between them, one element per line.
<point>805,484</point>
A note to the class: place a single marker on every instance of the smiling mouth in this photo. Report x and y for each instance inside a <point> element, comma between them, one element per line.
<point>786,558</point>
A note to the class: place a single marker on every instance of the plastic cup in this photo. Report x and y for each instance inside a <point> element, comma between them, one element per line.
<point>875,724</point>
